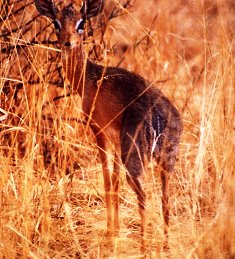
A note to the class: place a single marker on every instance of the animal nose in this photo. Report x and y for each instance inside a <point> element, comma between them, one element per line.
<point>67,44</point>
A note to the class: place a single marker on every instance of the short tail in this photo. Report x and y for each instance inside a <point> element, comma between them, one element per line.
<point>162,135</point>
<point>154,127</point>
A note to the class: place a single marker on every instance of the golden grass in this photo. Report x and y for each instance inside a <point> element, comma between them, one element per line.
<point>52,197</point>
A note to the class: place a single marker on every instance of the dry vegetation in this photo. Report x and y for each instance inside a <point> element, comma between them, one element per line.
<point>52,198</point>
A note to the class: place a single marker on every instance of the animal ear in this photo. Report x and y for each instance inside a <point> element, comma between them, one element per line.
<point>91,8</point>
<point>46,8</point>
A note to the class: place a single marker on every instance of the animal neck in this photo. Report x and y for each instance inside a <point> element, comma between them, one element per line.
<point>74,65</point>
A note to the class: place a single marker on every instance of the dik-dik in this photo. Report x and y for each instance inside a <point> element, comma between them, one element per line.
<point>128,115</point>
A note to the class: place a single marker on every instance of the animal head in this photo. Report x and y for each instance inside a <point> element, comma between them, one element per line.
<point>69,22</point>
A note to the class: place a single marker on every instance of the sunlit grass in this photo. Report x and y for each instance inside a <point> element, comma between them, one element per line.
<point>52,196</point>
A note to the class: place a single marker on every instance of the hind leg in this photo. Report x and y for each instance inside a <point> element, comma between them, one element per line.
<point>165,199</point>
<point>133,162</point>
<point>167,169</point>
<point>134,173</point>
<point>115,186</point>
<point>135,184</point>
<point>132,153</point>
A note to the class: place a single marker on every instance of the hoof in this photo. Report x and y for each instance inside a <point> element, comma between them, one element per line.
<point>166,247</point>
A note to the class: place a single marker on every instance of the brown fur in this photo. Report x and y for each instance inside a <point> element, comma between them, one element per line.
<point>126,113</point>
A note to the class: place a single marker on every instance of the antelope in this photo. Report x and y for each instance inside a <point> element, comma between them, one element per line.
<point>129,116</point>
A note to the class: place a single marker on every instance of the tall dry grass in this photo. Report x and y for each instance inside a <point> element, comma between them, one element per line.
<point>52,197</point>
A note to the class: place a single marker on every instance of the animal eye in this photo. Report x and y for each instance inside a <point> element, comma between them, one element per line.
<point>80,26</point>
<point>57,25</point>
